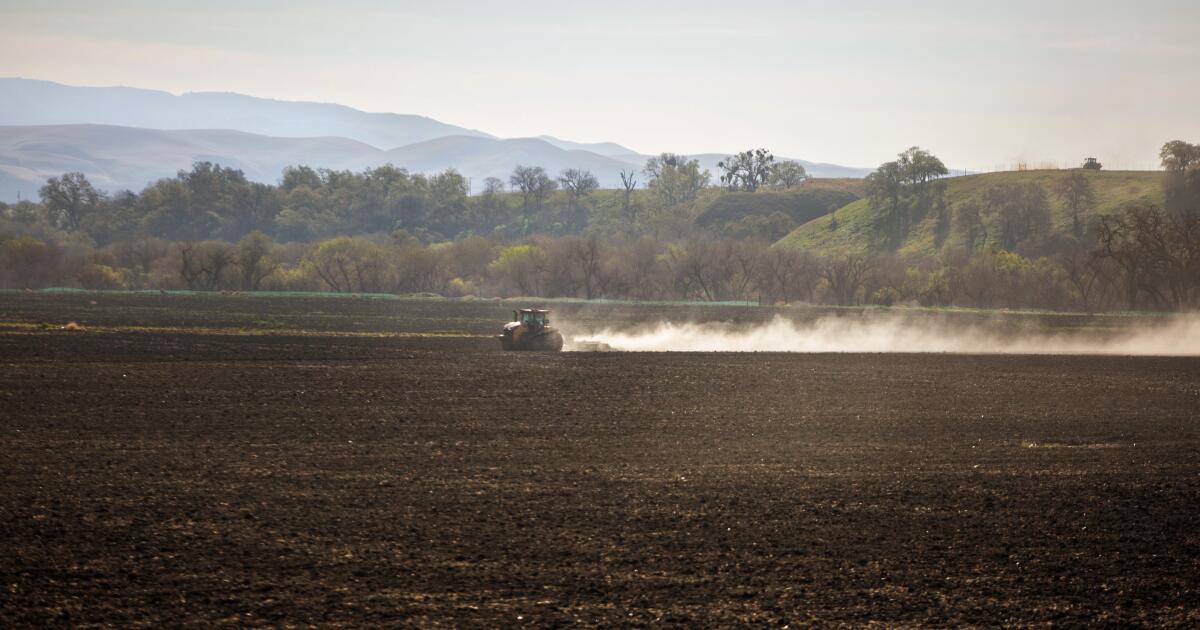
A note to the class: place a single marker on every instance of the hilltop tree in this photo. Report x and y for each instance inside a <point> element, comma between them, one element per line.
<point>578,183</point>
<point>1075,191</point>
<point>493,186</point>
<point>886,192</point>
<point>747,170</point>
<point>1182,184</point>
<point>674,178</point>
<point>787,174</point>
<point>918,167</point>
<point>903,191</point>
<point>535,185</point>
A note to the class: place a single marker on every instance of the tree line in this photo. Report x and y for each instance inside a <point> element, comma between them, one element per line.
<point>209,229</point>
<point>1144,255</point>
<point>210,201</point>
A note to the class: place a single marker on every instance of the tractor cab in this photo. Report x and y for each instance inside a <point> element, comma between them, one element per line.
<point>535,319</point>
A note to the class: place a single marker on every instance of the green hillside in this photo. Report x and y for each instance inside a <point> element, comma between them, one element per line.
<point>802,204</point>
<point>853,231</point>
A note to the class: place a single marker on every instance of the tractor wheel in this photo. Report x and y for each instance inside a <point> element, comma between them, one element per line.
<point>553,342</point>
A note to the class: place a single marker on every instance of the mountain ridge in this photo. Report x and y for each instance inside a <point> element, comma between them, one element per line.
<point>116,158</point>
<point>102,132</point>
<point>37,102</point>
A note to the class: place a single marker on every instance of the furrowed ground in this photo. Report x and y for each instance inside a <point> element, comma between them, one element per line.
<point>196,460</point>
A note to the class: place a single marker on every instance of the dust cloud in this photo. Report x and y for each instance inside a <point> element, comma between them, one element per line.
<point>1177,336</point>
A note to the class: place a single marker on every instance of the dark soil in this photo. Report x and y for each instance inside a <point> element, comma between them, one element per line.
<point>173,478</point>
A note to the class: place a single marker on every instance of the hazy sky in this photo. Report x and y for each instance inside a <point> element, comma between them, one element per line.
<point>981,84</point>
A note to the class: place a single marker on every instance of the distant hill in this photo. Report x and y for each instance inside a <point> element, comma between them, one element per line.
<point>478,158</point>
<point>814,169</point>
<point>31,102</point>
<point>115,158</point>
<point>1112,189</point>
<point>607,149</point>
<point>126,137</point>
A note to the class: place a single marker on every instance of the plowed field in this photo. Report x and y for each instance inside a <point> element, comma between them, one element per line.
<point>254,461</point>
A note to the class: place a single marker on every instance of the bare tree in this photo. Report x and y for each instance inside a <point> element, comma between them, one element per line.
<point>628,184</point>
<point>1157,251</point>
<point>845,276</point>
<point>582,266</point>
<point>1090,276</point>
<point>579,184</point>
<point>140,254</point>
<point>254,261</point>
<point>493,186</point>
<point>203,265</point>
<point>787,274</point>
<point>350,265</point>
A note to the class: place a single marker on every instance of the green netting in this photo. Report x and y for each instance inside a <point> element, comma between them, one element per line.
<point>526,300</point>
<point>385,296</point>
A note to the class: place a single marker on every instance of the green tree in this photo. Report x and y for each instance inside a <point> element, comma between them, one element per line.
<point>535,185</point>
<point>787,174</point>
<point>747,170</point>
<point>69,199</point>
<point>902,192</point>
<point>27,262</point>
<point>968,221</point>
<point>521,267</point>
<point>1075,191</point>
<point>254,260</point>
<point>674,179</point>
<point>919,167</point>
<point>1181,187</point>
<point>1019,211</point>
<point>447,203</point>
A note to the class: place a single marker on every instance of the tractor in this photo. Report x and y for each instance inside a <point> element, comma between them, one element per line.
<point>531,330</point>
